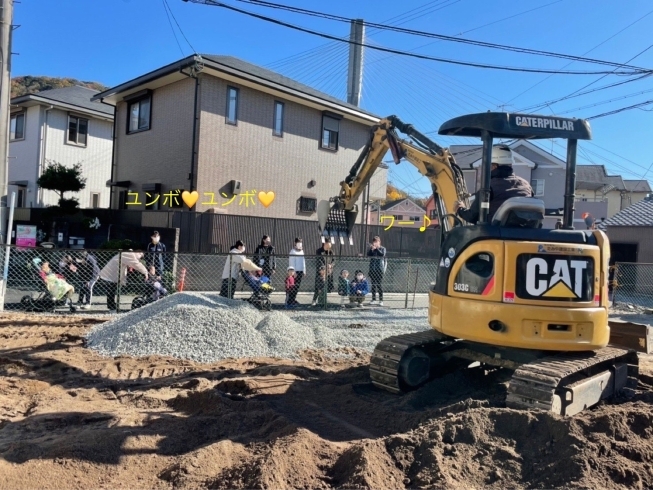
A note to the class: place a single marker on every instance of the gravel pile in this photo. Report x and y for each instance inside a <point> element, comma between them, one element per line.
<point>205,327</point>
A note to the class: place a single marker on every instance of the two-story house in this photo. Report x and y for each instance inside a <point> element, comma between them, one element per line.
<point>248,140</point>
<point>605,195</point>
<point>60,125</point>
<point>402,212</point>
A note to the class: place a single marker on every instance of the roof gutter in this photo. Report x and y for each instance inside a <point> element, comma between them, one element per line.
<point>63,105</point>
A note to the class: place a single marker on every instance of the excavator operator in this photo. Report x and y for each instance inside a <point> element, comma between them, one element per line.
<point>504,184</point>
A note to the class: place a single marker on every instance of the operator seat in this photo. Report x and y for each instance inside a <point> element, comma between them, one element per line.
<point>520,212</point>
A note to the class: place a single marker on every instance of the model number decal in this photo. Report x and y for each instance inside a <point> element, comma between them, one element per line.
<point>461,287</point>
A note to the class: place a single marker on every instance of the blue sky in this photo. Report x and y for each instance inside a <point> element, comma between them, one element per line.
<point>111,41</point>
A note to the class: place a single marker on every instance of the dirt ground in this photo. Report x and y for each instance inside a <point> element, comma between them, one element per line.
<point>72,419</point>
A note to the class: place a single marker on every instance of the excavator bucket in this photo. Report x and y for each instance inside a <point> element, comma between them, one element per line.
<point>335,222</point>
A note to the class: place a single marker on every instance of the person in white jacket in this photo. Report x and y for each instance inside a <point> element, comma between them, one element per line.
<point>111,275</point>
<point>296,261</point>
<point>232,268</point>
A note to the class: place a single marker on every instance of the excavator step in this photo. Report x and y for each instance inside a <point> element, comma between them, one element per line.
<point>570,382</point>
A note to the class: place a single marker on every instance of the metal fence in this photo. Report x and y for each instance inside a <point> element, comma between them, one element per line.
<point>40,279</point>
<point>633,284</point>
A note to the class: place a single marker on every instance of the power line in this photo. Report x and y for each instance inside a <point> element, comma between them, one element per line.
<point>586,52</point>
<point>165,7</point>
<point>415,55</point>
<point>442,37</point>
<point>180,29</point>
<point>605,102</point>
<point>623,109</point>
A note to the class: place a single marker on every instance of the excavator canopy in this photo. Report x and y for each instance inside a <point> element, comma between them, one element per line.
<point>526,126</point>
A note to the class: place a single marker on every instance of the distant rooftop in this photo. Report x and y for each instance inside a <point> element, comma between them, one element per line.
<point>75,96</point>
<point>639,214</point>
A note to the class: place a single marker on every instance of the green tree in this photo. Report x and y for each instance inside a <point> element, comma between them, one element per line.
<point>61,179</point>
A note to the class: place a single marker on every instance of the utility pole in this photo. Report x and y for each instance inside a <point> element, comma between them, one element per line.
<point>6,26</point>
<point>355,72</point>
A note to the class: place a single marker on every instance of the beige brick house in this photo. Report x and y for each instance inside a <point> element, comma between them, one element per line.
<point>229,130</point>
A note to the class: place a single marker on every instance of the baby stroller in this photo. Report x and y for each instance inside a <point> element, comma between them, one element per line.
<point>261,290</point>
<point>42,300</point>
<point>151,295</point>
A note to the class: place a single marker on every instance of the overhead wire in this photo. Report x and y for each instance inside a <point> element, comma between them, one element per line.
<point>442,37</point>
<point>179,27</point>
<point>631,71</point>
<point>586,52</point>
<point>165,8</point>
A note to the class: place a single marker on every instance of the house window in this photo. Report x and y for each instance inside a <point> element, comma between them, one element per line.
<point>20,199</point>
<point>77,130</point>
<point>538,187</point>
<point>232,106</point>
<point>17,128</point>
<point>330,130</point>
<point>307,204</point>
<point>277,126</point>
<point>139,114</point>
<point>95,200</point>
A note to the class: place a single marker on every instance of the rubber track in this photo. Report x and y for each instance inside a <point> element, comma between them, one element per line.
<point>384,364</point>
<point>533,385</point>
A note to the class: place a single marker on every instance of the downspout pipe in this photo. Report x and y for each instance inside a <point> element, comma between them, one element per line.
<point>42,151</point>
<point>113,151</point>
<point>193,159</point>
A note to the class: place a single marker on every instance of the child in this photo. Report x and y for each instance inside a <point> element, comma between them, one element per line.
<point>343,286</point>
<point>155,281</point>
<point>358,289</point>
<point>290,287</point>
<point>320,283</point>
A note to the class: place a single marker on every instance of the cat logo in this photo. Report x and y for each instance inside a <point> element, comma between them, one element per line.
<point>544,123</point>
<point>557,278</point>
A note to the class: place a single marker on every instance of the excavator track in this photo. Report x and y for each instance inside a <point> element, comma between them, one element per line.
<point>570,382</point>
<point>563,383</point>
<point>386,360</point>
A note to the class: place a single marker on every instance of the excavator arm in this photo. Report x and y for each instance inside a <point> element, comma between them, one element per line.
<point>431,160</point>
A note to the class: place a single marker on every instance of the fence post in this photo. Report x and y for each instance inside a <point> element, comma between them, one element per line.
<point>229,282</point>
<point>119,281</point>
<point>407,285</point>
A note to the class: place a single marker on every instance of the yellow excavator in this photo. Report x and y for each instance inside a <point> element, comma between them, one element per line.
<point>507,293</point>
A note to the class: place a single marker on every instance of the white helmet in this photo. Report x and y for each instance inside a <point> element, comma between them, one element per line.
<point>502,155</point>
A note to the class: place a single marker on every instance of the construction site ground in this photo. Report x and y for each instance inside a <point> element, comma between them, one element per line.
<point>70,418</point>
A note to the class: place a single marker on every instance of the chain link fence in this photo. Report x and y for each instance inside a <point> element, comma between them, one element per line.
<point>42,280</point>
<point>632,284</point>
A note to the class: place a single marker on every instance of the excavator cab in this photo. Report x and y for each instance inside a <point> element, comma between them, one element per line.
<point>492,125</point>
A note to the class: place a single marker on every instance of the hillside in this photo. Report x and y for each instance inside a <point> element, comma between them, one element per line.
<point>30,85</point>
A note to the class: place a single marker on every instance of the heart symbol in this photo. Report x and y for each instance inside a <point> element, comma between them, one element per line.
<point>266,198</point>
<point>190,198</point>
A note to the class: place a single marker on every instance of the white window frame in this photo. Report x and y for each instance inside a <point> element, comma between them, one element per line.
<point>12,126</point>
<point>277,119</point>
<point>77,132</point>
<point>98,200</point>
<point>535,184</point>
<point>236,101</point>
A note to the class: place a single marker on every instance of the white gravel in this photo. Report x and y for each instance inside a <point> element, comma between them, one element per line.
<point>205,327</point>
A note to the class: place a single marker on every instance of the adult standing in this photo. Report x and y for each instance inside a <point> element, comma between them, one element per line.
<point>116,270</point>
<point>89,274</point>
<point>378,265</point>
<point>155,250</point>
<point>297,261</point>
<point>264,257</point>
<point>325,259</point>
<point>231,269</point>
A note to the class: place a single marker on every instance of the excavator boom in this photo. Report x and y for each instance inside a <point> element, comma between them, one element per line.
<point>337,216</point>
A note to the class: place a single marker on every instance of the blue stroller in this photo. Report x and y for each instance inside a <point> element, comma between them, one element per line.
<point>261,290</point>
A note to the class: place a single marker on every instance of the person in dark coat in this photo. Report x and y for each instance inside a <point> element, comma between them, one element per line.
<point>504,184</point>
<point>377,268</point>
<point>264,257</point>
<point>89,273</point>
<point>155,250</point>
<point>325,260</point>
